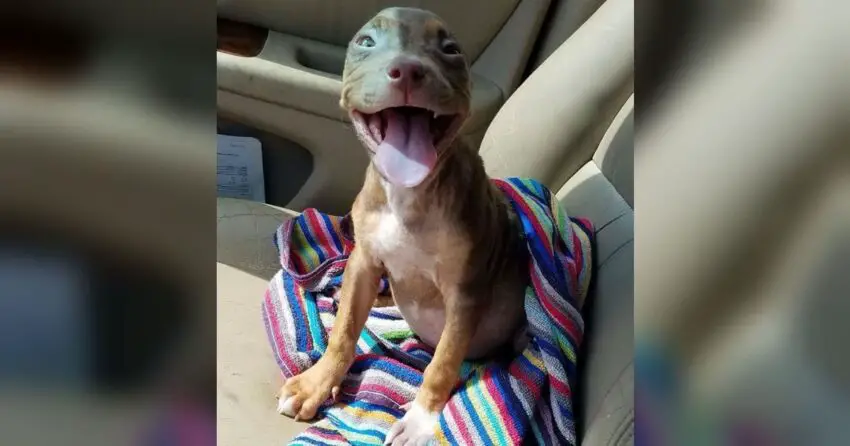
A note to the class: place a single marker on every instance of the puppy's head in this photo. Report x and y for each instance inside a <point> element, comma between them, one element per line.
<point>406,87</point>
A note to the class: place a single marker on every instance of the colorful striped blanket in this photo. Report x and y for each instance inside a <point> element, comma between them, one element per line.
<point>525,400</point>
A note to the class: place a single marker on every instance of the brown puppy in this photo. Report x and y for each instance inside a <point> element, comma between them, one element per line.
<point>427,215</point>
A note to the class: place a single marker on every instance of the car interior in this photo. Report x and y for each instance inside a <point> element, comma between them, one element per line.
<point>107,228</point>
<point>552,99</point>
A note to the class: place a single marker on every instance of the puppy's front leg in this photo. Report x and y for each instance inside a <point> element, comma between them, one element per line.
<point>301,395</point>
<point>441,375</point>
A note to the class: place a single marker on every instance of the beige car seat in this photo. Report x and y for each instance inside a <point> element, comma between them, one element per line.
<point>291,88</point>
<point>569,125</point>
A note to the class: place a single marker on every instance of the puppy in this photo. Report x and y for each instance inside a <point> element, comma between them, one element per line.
<point>427,215</point>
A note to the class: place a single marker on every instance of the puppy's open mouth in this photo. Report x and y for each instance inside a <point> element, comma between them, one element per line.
<point>377,123</point>
<point>405,140</point>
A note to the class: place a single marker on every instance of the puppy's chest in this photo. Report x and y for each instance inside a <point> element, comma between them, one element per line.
<point>403,251</point>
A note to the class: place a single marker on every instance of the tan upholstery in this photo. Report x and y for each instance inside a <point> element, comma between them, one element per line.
<point>587,160</point>
<point>248,376</point>
<point>598,191</point>
<point>582,146</point>
<point>335,21</point>
<point>759,317</point>
<point>564,18</point>
<point>248,247</point>
<point>565,106</point>
<point>292,87</point>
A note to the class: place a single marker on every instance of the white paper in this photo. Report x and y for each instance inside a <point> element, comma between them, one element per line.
<point>240,168</point>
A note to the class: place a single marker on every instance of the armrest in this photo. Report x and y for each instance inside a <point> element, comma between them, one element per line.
<point>244,235</point>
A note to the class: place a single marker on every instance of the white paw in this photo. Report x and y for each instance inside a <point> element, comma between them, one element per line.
<point>286,405</point>
<point>415,428</point>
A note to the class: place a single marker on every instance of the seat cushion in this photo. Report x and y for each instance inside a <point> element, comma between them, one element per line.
<point>605,402</point>
<point>602,191</point>
<point>248,377</point>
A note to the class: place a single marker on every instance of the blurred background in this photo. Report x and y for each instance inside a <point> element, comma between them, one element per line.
<point>742,175</point>
<point>107,123</point>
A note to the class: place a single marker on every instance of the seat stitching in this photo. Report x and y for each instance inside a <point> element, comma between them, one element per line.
<point>611,221</point>
<point>629,433</point>
<point>619,375</point>
<point>602,264</point>
<point>622,428</point>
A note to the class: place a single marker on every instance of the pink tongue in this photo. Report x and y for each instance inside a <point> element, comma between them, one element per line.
<point>407,154</point>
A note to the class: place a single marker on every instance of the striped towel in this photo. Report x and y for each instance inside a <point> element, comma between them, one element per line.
<point>526,400</point>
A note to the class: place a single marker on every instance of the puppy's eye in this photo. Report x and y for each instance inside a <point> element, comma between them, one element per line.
<point>365,41</point>
<point>451,48</point>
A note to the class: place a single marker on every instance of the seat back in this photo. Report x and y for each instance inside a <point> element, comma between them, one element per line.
<point>601,190</point>
<point>570,125</point>
<point>288,94</point>
<point>555,120</point>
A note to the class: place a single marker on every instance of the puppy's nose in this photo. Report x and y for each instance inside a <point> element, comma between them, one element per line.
<point>407,72</point>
